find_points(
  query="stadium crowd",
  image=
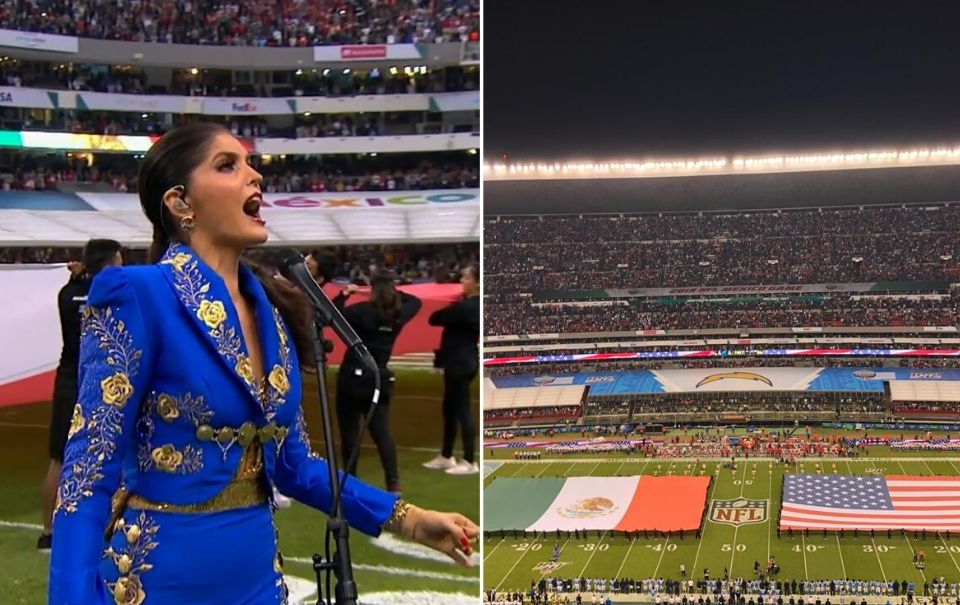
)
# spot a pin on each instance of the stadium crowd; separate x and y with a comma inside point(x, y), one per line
point(295, 127)
point(532, 413)
point(220, 83)
point(356, 264)
point(849, 245)
point(836, 311)
point(250, 22)
point(725, 590)
point(46, 173)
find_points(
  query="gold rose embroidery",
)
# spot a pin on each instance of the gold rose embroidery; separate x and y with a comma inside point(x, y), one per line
point(107, 347)
point(132, 560)
point(128, 591)
point(177, 261)
point(212, 313)
point(76, 422)
point(244, 368)
point(167, 458)
point(116, 389)
point(278, 380)
point(167, 407)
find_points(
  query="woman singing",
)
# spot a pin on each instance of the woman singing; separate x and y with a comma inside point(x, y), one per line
point(378, 323)
point(189, 407)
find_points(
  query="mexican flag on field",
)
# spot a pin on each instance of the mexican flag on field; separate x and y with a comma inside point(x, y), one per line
point(606, 503)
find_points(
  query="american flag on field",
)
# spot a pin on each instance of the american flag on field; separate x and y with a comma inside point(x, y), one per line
point(854, 502)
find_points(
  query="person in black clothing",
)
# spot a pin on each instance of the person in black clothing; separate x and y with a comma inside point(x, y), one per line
point(459, 356)
point(97, 254)
point(378, 323)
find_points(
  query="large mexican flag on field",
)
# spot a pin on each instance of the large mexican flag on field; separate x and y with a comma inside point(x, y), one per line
point(607, 503)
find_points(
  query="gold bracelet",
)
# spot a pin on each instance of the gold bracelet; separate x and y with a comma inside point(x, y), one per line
point(400, 510)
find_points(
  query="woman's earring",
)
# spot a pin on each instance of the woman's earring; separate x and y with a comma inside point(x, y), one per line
point(188, 223)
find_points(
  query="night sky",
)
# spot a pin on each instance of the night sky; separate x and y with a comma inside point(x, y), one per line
point(597, 79)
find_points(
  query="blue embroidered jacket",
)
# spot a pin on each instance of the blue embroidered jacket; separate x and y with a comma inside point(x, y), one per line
point(165, 382)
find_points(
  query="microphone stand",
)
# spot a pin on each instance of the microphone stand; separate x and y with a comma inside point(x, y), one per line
point(338, 562)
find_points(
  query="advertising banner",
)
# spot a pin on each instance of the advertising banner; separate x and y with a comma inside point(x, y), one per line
point(34, 98)
point(134, 103)
point(247, 106)
point(35, 41)
point(366, 52)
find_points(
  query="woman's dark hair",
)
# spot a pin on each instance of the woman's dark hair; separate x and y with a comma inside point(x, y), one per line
point(97, 253)
point(169, 163)
point(385, 298)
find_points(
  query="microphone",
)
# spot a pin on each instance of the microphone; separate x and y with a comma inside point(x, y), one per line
point(291, 265)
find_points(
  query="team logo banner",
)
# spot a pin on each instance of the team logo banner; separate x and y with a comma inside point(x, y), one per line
point(738, 512)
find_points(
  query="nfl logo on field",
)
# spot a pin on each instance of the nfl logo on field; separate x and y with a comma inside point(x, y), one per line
point(738, 512)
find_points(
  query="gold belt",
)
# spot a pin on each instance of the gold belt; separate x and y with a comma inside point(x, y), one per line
point(242, 493)
point(247, 488)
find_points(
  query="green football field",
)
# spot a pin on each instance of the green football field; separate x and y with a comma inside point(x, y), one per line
point(387, 570)
point(510, 564)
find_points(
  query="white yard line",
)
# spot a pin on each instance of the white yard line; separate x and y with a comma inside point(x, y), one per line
point(514, 566)
point(663, 551)
point(946, 547)
point(922, 575)
point(770, 520)
point(843, 565)
point(487, 555)
point(736, 529)
point(545, 467)
point(703, 534)
point(590, 558)
point(625, 557)
point(882, 573)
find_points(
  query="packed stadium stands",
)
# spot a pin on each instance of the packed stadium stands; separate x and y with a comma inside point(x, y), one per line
point(250, 22)
point(412, 263)
point(46, 172)
point(213, 82)
point(809, 246)
point(804, 311)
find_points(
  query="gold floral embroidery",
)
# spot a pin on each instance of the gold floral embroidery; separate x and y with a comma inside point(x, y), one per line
point(244, 369)
point(192, 289)
point(278, 380)
point(128, 591)
point(167, 458)
point(76, 422)
point(131, 561)
point(170, 408)
point(212, 313)
point(167, 407)
point(276, 396)
point(116, 389)
point(96, 436)
point(177, 261)
point(301, 428)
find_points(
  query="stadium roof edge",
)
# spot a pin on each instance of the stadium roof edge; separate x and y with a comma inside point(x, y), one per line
point(728, 192)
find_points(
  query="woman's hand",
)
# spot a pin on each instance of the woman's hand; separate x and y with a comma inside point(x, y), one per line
point(450, 533)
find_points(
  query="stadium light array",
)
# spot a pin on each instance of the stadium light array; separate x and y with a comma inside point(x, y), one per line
point(503, 171)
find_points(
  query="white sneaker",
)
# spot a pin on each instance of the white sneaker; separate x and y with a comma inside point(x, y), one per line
point(464, 468)
point(440, 463)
